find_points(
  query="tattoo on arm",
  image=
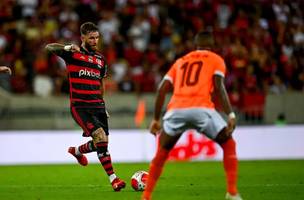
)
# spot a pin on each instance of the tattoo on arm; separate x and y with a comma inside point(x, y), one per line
point(55, 48)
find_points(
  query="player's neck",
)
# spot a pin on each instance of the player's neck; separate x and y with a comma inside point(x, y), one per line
point(87, 49)
point(204, 48)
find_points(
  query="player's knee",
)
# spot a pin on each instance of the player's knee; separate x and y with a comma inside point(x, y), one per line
point(166, 141)
point(99, 135)
point(223, 136)
point(92, 146)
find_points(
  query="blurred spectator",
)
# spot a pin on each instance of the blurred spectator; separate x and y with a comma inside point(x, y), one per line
point(277, 87)
point(139, 33)
point(108, 26)
point(223, 11)
point(119, 69)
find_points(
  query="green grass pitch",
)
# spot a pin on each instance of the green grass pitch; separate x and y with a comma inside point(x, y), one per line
point(281, 180)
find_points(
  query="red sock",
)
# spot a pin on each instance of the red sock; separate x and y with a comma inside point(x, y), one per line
point(87, 147)
point(230, 165)
point(104, 157)
point(155, 171)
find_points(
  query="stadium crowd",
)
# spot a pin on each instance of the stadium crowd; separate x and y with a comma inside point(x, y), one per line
point(262, 41)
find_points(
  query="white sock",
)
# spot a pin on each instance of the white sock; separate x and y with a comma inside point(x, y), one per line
point(112, 177)
point(77, 152)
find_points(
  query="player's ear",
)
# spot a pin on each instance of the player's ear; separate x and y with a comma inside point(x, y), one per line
point(82, 38)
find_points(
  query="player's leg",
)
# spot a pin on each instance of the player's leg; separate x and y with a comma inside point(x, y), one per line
point(87, 147)
point(166, 143)
point(174, 124)
point(78, 152)
point(216, 129)
point(100, 140)
point(230, 162)
point(81, 117)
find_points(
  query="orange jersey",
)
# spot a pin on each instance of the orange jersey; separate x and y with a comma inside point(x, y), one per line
point(192, 79)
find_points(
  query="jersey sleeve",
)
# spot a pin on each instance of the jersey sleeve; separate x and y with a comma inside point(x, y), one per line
point(219, 66)
point(65, 55)
point(104, 70)
point(170, 76)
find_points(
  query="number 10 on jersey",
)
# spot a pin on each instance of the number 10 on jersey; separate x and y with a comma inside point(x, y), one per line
point(191, 73)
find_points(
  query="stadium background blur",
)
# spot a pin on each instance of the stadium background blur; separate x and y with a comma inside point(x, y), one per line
point(262, 42)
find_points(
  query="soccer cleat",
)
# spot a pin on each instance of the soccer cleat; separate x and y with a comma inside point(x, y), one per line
point(118, 184)
point(233, 197)
point(82, 160)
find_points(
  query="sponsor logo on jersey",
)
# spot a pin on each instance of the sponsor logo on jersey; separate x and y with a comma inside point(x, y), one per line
point(89, 73)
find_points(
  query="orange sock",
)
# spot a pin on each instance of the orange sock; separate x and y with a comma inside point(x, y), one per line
point(155, 171)
point(230, 165)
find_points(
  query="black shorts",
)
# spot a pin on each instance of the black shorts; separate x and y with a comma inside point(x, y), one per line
point(90, 119)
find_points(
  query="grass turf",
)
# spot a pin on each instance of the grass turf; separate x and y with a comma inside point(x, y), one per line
point(258, 180)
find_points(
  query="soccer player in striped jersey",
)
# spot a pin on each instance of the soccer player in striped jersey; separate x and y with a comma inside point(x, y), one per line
point(193, 79)
point(86, 69)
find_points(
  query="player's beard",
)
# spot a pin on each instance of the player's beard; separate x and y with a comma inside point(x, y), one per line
point(90, 47)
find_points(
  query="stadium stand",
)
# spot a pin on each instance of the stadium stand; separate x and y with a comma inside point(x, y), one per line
point(262, 42)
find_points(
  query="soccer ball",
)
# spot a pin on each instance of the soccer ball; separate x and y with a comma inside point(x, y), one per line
point(139, 180)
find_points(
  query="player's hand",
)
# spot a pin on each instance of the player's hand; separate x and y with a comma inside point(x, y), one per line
point(75, 48)
point(231, 124)
point(5, 69)
point(155, 126)
point(72, 48)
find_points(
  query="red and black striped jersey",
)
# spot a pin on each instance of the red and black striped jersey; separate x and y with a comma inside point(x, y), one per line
point(85, 71)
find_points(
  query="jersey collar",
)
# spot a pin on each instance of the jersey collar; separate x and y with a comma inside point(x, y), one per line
point(85, 51)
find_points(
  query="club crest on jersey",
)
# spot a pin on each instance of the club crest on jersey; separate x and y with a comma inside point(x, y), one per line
point(99, 62)
point(89, 73)
point(90, 59)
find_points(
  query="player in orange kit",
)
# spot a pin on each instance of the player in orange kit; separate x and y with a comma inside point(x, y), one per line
point(193, 79)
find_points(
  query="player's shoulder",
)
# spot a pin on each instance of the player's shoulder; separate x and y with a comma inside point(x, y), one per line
point(215, 55)
point(98, 54)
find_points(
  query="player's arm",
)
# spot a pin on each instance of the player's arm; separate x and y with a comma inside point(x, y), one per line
point(102, 85)
point(104, 74)
point(220, 91)
point(5, 69)
point(102, 88)
point(164, 87)
point(102, 91)
point(60, 49)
